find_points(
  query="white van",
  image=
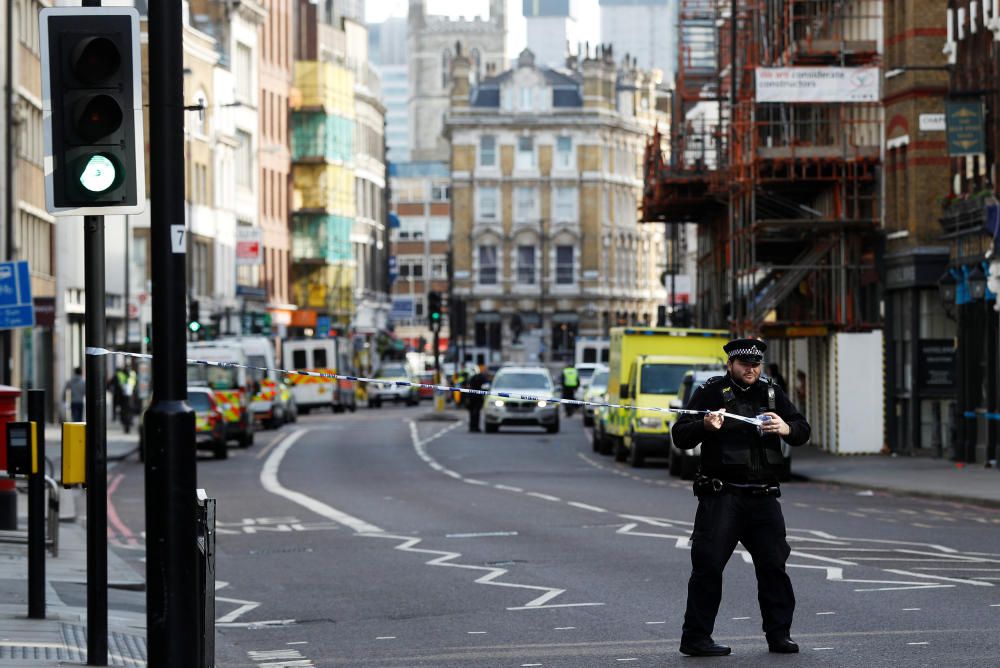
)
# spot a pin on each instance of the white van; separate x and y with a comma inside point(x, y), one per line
point(272, 403)
point(230, 385)
point(331, 356)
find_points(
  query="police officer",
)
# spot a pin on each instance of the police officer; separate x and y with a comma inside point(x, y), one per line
point(737, 490)
point(570, 383)
point(475, 402)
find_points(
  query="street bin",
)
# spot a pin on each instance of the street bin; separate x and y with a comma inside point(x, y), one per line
point(206, 580)
point(8, 494)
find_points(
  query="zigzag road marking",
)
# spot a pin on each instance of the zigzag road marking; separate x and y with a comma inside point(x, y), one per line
point(269, 480)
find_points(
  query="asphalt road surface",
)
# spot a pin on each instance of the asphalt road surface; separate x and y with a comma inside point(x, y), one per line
point(378, 539)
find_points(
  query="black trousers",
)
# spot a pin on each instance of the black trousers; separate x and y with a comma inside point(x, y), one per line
point(721, 522)
point(474, 416)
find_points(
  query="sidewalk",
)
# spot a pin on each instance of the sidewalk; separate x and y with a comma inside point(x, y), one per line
point(919, 476)
point(60, 638)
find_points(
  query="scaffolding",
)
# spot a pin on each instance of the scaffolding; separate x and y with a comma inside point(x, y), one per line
point(786, 194)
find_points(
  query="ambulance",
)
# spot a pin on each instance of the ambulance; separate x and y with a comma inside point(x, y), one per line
point(272, 404)
point(646, 367)
point(329, 356)
point(231, 385)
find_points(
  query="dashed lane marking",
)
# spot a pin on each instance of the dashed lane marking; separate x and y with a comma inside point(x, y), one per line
point(564, 628)
point(385, 637)
point(656, 622)
point(545, 497)
point(736, 619)
point(918, 643)
point(910, 609)
point(826, 613)
point(586, 506)
point(820, 649)
point(476, 633)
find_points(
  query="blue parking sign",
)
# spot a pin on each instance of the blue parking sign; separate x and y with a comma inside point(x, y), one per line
point(16, 307)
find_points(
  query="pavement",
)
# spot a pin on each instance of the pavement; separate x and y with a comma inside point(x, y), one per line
point(60, 638)
point(918, 476)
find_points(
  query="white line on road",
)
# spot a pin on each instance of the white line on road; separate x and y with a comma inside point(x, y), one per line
point(269, 480)
point(820, 649)
point(918, 643)
point(826, 613)
point(508, 488)
point(586, 506)
point(656, 622)
point(736, 619)
point(910, 609)
point(564, 628)
point(545, 497)
point(476, 633)
point(385, 637)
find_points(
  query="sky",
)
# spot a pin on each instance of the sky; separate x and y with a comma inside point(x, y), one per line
point(378, 10)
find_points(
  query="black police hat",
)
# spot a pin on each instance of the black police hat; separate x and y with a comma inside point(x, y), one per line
point(746, 350)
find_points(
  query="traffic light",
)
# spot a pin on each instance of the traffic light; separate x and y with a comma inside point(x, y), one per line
point(92, 110)
point(434, 309)
point(194, 315)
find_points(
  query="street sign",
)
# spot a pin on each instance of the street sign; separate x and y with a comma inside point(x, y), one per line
point(249, 242)
point(965, 128)
point(16, 307)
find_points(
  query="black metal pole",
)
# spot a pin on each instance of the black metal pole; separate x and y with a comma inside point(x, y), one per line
point(8, 212)
point(97, 464)
point(36, 512)
point(128, 318)
point(171, 478)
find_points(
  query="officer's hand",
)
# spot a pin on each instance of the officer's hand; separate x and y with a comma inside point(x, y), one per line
point(776, 425)
point(713, 421)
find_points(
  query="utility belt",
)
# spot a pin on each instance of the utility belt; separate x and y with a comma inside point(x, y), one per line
point(705, 486)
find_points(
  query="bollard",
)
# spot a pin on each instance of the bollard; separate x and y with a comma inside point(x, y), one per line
point(206, 580)
point(36, 512)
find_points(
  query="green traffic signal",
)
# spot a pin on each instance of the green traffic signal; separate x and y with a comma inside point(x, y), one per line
point(98, 173)
point(194, 326)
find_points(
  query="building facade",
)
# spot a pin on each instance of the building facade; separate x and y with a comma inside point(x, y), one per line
point(432, 42)
point(339, 232)
point(274, 155)
point(387, 49)
point(552, 29)
point(546, 184)
point(970, 223)
point(916, 173)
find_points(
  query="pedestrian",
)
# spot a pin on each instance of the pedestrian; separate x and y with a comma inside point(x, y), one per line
point(116, 395)
point(570, 383)
point(737, 489)
point(128, 380)
point(77, 388)
point(475, 402)
point(800, 390)
point(775, 374)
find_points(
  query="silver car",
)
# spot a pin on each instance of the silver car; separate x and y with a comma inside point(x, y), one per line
point(511, 410)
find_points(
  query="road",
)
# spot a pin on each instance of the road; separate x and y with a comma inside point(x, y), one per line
point(378, 539)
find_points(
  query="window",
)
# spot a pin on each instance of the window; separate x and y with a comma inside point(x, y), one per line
point(411, 267)
point(439, 268)
point(445, 68)
point(525, 204)
point(526, 265)
point(244, 159)
point(565, 270)
point(565, 204)
point(244, 72)
point(488, 203)
point(440, 192)
point(487, 151)
point(525, 99)
point(319, 359)
point(411, 228)
point(487, 265)
point(525, 153)
point(564, 152)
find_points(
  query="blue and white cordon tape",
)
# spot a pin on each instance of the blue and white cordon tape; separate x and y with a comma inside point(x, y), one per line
point(440, 388)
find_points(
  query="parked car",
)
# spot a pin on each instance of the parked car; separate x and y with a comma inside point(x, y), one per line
point(532, 381)
point(209, 423)
point(387, 390)
point(595, 390)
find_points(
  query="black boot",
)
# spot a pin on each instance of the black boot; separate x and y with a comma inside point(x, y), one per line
point(782, 645)
point(704, 647)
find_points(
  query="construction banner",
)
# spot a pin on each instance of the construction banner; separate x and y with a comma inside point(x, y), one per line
point(817, 84)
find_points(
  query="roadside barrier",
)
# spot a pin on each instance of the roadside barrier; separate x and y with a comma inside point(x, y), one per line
point(440, 388)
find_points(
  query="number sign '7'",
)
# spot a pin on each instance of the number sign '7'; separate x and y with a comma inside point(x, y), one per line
point(177, 239)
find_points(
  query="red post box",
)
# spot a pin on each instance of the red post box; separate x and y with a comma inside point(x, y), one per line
point(8, 495)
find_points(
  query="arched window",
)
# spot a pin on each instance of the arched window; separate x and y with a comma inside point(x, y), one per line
point(445, 68)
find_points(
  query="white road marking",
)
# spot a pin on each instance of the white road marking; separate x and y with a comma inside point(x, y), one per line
point(554, 605)
point(820, 649)
point(298, 642)
point(484, 534)
point(529, 665)
point(632, 659)
point(995, 605)
point(918, 643)
point(546, 497)
point(508, 488)
point(385, 637)
point(264, 623)
point(269, 480)
point(564, 628)
point(978, 583)
point(910, 609)
point(656, 622)
point(826, 613)
point(585, 506)
point(476, 633)
point(739, 618)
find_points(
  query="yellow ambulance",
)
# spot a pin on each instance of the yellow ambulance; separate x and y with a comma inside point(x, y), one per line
point(646, 367)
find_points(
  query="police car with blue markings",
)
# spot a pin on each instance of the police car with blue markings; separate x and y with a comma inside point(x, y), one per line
point(505, 407)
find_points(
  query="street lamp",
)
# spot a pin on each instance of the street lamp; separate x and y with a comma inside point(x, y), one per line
point(977, 283)
point(946, 287)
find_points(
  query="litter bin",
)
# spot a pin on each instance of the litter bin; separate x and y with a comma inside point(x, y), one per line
point(8, 493)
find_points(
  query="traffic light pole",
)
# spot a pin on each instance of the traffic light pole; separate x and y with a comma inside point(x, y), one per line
point(97, 462)
point(171, 479)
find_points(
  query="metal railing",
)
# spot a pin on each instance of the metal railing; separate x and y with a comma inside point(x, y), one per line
point(17, 536)
point(206, 580)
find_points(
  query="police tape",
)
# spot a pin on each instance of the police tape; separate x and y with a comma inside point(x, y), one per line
point(440, 388)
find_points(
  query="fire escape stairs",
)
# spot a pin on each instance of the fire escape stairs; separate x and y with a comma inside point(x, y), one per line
point(773, 289)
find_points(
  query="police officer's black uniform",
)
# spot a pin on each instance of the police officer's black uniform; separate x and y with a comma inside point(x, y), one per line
point(474, 402)
point(737, 491)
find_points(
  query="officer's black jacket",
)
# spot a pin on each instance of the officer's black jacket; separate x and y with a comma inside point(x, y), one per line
point(738, 452)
